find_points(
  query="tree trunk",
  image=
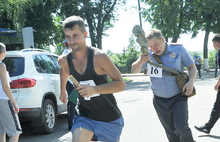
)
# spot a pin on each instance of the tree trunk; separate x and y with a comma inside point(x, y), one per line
point(89, 18)
point(175, 38)
point(99, 28)
point(91, 32)
point(99, 43)
point(96, 25)
point(205, 48)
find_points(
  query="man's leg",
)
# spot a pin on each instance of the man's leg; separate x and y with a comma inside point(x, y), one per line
point(180, 118)
point(218, 63)
point(70, 106)
point(165, 118)
point(3, 138)
point(199, 70)
point(215, 114)
point(82, 135)
point(14, 138)
point(71, 113)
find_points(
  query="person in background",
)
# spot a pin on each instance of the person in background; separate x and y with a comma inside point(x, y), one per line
point(216, 64)
point(69, 89)
point(198, 63)
point(171, 106)
point(67, 47)
point(9, 121)
point(215, 114)
point(97, 112)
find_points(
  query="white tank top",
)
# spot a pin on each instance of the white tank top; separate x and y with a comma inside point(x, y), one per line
point(2, 93)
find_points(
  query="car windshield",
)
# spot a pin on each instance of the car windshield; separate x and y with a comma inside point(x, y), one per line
point(15, 65)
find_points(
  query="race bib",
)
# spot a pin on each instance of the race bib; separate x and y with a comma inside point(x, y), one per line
point(153, 71)
point(91, 83)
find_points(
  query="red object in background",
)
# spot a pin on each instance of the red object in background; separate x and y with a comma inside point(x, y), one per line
point(23, 83)
point(66, 44)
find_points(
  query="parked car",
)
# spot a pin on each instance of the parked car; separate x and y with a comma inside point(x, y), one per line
point(35, 84)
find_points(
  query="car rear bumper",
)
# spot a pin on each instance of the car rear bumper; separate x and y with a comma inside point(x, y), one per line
point(26, 115)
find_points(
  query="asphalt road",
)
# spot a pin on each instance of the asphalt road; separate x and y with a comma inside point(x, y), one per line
point(141, 121)
point(29, 134)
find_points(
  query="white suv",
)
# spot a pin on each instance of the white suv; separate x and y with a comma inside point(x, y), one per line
point(35, 84)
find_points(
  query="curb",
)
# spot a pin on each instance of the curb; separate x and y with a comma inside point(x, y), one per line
point(128, 81)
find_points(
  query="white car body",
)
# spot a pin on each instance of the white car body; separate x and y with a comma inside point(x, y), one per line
point(45, 87)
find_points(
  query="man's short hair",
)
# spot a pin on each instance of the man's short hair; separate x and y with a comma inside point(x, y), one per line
point(2, 47)
point(216, 38)
point(154, 33)
point(73, 22)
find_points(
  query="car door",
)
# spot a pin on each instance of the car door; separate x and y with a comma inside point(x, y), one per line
point(51, 73)
point(48, 65)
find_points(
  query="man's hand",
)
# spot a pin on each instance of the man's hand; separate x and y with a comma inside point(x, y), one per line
point(188, 89)
point(144, 58)
point(85, 90)
point(216, 86)
point(63, 97)
point(16, 108)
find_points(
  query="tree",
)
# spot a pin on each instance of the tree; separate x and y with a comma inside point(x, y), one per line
point(100, 17)
point(46, 16)
point(124, 60)
point(12, 14)
point(41, 19)
point(207, 18)
point(67, 8)
point(172, 17)
point(5, 21)
point(28, 13)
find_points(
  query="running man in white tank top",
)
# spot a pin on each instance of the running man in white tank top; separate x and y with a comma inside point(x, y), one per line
point(9, 122)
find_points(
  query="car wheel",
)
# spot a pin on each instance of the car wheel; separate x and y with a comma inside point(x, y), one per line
point(49, 117)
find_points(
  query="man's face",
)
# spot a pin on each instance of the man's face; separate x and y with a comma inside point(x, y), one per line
point(75, 38)
point(216, 45)
point(157, 45)
point(3, 54)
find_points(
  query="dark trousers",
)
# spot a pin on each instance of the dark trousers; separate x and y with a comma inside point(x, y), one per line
point(215, 114)
point(199, 70)
point(70, 106)
point(216, 68)
point(173, 114)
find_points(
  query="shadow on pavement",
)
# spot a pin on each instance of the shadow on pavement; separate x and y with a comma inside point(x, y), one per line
point(30, 134)
point(211, 136)
point(137, 86)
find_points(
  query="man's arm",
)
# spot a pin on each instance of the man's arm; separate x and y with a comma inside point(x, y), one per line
point(136, 67)
point(6, 88)
point(200, 60)
point(107, 67)
point(192, 76)
point(217, 84)
point(64, 74)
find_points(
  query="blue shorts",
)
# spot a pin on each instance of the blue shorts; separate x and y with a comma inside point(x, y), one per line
point(103, 131)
